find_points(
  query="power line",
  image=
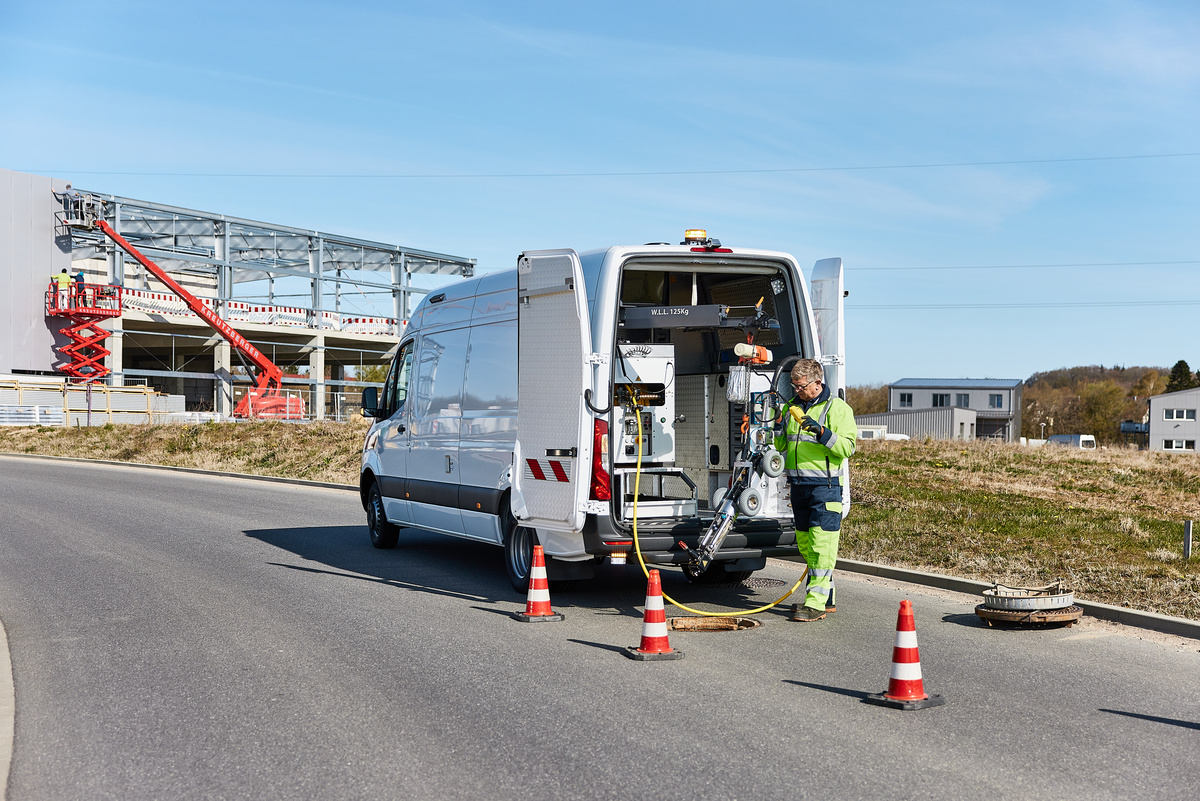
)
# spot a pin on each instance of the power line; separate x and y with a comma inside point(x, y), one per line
point(625, 173)
point(1083, 305)
point(1027, 266)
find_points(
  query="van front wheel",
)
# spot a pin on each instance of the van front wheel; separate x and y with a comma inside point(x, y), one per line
point(383, 534)
point(518, 556)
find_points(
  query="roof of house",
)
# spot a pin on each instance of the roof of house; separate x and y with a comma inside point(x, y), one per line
point(959, 383)
point(1176, 392)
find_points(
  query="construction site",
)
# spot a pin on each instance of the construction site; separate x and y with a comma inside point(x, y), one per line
point(124, 310)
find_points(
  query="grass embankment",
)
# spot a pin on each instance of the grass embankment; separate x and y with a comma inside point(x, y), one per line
point(1109, 523)
point(317, 451)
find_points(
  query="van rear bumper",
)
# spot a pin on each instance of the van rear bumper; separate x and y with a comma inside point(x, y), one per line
point(660, 545)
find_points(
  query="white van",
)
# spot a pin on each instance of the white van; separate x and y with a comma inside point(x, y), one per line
point(1085, 441)
point(510, 413)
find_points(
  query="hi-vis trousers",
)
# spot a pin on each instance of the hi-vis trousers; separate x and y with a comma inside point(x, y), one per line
point(817, 509)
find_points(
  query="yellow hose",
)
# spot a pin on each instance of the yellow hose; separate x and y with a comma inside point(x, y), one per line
point(637, 547)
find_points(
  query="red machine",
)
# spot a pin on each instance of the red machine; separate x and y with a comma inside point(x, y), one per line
point(265, 398)
point(85, 306)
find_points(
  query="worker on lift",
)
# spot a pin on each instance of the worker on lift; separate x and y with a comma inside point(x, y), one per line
point(816, 433)
point(64, 286)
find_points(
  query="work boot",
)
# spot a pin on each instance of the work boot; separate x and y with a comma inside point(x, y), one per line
point(806, 614)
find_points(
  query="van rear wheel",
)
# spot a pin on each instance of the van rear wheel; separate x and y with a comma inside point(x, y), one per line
point(518, 556)
point(383, 534)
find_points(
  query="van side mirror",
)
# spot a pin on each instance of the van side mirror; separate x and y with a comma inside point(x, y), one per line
point(370, 402)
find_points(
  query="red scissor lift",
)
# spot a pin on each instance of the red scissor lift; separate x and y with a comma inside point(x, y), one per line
point(264, 400)
point(84, 305)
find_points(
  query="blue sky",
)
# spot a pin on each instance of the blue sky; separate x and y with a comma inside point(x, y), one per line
point(1012, 186)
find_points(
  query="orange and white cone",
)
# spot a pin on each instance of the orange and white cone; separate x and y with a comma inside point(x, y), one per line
point(537, 602)
point(906, 688)
point(655, 644)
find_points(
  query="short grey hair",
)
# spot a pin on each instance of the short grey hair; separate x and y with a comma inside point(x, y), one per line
point(807, 370)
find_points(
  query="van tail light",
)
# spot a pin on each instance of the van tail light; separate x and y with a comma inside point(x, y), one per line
point(601, 489)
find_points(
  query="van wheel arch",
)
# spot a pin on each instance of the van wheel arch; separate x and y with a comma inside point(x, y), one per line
point(384, 534)
point(518, 544)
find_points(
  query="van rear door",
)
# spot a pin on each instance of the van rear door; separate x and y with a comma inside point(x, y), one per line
point(552, 458)
point(828, 293)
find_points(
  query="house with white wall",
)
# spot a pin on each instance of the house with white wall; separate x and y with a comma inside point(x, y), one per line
point(1173, 424)
point(996, 403)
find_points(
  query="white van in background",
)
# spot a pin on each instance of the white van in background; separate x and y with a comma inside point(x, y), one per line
point(511, 412)
point(1085, 441)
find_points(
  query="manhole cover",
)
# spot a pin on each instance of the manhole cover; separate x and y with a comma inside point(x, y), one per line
point(712, 623)
point(750, 583)
point(1065, 616)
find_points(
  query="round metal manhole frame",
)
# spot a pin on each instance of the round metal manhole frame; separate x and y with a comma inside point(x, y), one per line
point(729, 623)
point(1027, 599)
point(1066, 616)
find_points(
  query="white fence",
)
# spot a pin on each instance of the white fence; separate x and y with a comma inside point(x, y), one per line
point(240, 312)
point(31, 403)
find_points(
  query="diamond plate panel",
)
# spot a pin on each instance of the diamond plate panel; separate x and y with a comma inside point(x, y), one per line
point(689, 433)
point(550, 381)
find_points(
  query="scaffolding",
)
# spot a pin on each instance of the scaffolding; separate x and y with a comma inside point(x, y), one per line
point(315, 302)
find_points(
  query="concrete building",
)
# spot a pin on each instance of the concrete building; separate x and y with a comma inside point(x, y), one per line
point(290, 292)
point(1174, 427)
point(949, 423)
point(996, 402)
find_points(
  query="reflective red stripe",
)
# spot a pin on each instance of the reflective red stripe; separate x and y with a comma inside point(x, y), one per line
point(559, 473)
point(536, 469)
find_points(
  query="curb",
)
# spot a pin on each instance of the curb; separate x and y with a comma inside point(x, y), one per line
point(8, 710)
point(273, 479)
point(1118, 614)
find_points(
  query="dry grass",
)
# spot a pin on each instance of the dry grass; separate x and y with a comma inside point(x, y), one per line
point(1108, 522)
point(317, 451)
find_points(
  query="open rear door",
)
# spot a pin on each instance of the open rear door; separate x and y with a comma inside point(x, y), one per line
point(828, 291)
point(828, 299)
point(552, 460)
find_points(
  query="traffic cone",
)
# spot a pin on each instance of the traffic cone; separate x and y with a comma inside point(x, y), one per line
point(654, 645)
point(906, 690)
point(537, 603)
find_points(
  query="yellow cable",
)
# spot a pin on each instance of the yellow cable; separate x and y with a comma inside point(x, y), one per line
point(637, 485)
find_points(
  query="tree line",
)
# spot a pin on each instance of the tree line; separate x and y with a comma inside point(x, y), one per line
point(1072, 400)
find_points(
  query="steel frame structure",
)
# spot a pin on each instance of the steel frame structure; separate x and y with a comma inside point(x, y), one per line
point(214, 253)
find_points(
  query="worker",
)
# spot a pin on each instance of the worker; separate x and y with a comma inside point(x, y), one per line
point(64, 285)
point(816, 433)
point(70, 198)
point(81, 298)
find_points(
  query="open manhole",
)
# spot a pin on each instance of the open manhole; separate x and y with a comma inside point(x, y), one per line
point(712, 623)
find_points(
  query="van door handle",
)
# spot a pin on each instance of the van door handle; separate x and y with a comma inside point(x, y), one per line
point(449, 464)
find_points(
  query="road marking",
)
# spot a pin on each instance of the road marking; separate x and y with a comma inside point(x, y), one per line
point(8, 709)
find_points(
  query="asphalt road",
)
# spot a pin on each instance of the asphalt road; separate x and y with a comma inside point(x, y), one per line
point(182, 636)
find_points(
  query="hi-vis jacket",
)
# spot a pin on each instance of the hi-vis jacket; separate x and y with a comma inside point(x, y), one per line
point(809, 460)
